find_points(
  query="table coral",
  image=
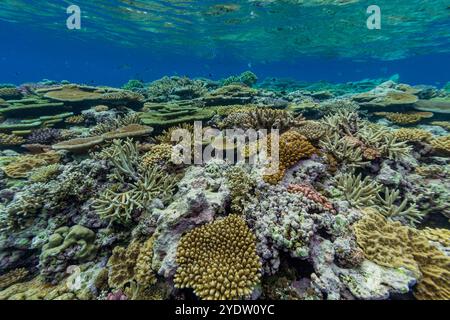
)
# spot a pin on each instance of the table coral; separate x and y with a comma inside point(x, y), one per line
point(131, 130)
point(405, 118)
point(78, 145)
point(219, 260)
point(412, 135)
point(24, 165)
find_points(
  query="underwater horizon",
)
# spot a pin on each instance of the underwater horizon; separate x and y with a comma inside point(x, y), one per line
point(252, 150)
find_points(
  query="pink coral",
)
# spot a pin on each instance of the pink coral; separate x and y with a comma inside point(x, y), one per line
point(312, 194)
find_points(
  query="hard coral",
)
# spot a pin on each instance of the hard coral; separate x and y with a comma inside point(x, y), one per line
point(292, 148)
point(79, 145)
point(10, 140)
point(219, 260)
point(412, 135)
point(392, 245)
point(405, 118)
point(23, 165)
point(312, 194)
point(441, 145)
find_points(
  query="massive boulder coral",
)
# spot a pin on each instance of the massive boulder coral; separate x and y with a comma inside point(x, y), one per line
point(66, 245)
point(218, 260)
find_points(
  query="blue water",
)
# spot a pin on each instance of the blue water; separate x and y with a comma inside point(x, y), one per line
point(32, 49)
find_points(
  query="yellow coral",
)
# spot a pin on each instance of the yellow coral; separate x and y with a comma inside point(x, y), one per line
point(23, 165)
point(75, 119)
point(412, 135)
point(312, 130)
point(441, 145)
point(392, 245)
point(10, 140)
point(37, 289)
point(443, 124)
point(219, 260)
point(131, 264)
point(158, 154)
point(405, 118)
point(293, 147)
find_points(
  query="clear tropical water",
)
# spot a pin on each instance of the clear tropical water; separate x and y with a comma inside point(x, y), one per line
point(350, 201)
point(307, 40)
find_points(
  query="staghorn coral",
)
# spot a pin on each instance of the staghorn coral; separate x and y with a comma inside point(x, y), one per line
point(218, 260)
point(412, 135)
point(344, 151)
point(392, 245)
point(120, 205)
point(357, 191)
point(292, 148)
point(166, 136)
point(114, 124)
point(402, 212)
point(343, 122)
point(10, 140)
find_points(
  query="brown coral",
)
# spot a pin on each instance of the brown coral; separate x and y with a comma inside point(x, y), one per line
point(78, 145)
point(23, 165)
point(131, 130)
point(412, 135)
point(10, 140)
point(219, 260)
point(75, 119)
point(13, 277)
point(392, 245)
point(312, 194)
point(405, 118)
point(293, 148)
point(442, 145)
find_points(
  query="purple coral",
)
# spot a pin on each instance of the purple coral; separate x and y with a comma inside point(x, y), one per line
point(44, 136)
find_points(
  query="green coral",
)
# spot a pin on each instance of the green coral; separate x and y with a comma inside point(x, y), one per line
point(357, 191)
point(241, 185)
point(133, 85)
point(248, 78)
point(389, 209)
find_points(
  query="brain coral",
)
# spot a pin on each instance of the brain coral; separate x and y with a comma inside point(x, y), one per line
point(219, 260)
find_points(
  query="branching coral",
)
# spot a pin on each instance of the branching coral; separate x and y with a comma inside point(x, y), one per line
point(44, 174)
point(403, 212)
point(405, 118)
point(343, 122)
point(114, 124)
point(11, 140)
point(78, 119)
point(44, 136)
point(176, 88)
point(159, 154)
point(119, 205)
point(219, 260)
point(12, 277)
point(292, 148)
point(357, 191)
point(241, 185)
point(441, 145)
point(312, 130)
point(312, 194)
point(412, 135)
point(344, 151)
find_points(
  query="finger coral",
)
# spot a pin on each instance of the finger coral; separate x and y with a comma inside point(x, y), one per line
point(218, 260)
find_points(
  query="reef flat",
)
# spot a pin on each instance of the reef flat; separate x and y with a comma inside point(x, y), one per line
point(93, 205)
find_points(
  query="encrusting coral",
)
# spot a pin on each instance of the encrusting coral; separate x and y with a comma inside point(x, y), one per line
point(219, 260)
point(392, 245)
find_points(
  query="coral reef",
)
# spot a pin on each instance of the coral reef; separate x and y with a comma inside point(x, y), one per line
point(218, 260)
